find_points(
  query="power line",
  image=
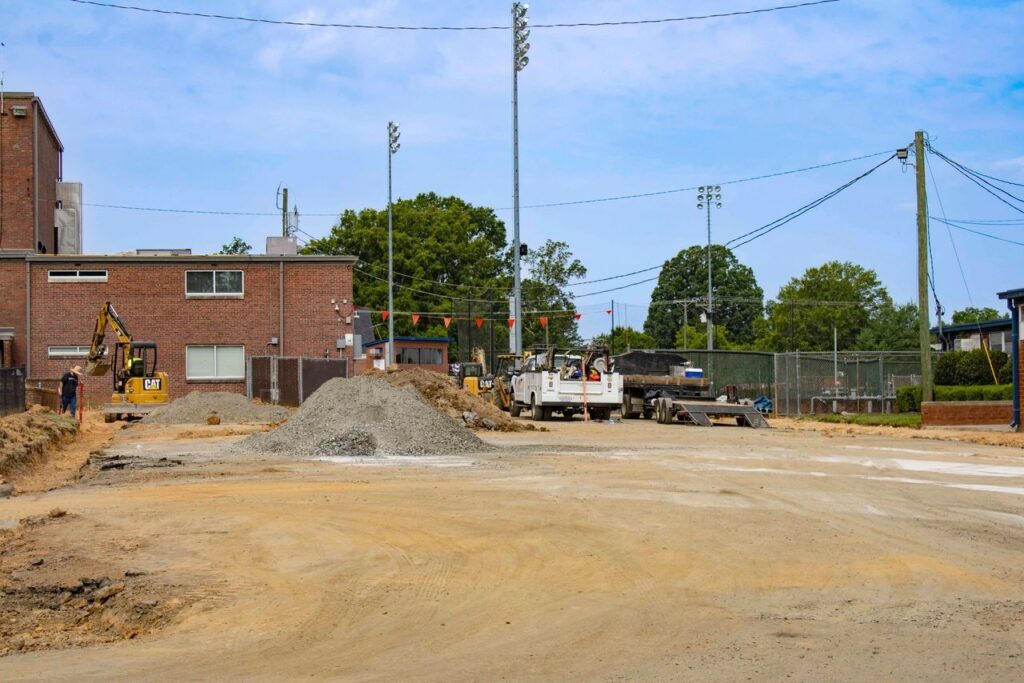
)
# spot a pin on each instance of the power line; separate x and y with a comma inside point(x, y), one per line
point(980, 182)
point(384, 27)
point(757, 233)
point(997, 223)
point(615, 289)
point(978, 232)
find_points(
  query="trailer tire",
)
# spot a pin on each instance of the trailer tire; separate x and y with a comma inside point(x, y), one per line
point(626, 411)
point(664, 411)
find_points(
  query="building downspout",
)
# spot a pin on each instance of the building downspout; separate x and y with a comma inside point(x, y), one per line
point(28, 319)
point(1015, 327)
point(35, 174)
point(280, 308)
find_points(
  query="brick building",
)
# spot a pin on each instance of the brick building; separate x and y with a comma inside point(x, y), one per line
point(207, 314)
point(30, 175)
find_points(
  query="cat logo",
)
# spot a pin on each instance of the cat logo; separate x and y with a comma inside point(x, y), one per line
point(151, 384)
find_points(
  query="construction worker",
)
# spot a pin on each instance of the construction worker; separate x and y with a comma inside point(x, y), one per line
point(69, 389)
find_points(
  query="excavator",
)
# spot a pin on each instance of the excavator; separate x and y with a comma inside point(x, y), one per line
point(138, 387)
point(473, 375)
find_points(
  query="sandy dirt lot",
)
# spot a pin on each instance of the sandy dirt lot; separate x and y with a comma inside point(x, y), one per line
point(630, 551)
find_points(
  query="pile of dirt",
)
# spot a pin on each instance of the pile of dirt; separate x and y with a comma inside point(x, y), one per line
point(26, 437)
point(450, 399)
point(364, 416)
point(198, 406)
point(53, 594)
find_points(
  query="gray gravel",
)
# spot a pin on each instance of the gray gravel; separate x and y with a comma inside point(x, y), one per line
point(195, 407)
point(363, 416)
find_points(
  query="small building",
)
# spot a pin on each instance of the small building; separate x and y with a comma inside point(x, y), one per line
point(429, 353)
point(1014, 299)
point(995, 334)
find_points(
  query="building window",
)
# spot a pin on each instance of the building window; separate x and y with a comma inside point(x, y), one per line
point(214, 283)
point(57, 352)
point(77, 276)
point(215, 362)
point(414, 356)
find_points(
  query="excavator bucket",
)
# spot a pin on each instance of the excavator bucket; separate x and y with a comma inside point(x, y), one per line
point(97, 368)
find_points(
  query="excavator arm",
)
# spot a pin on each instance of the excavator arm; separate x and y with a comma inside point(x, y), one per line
point(99, 361)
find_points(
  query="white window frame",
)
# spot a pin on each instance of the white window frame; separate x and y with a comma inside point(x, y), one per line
point(215, 294)
point(60, 351)
point(75, 275)
point(215, 377)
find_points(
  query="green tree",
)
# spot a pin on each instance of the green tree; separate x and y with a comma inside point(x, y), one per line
point(695, 337)
point(625, 339)
point(973, 314)
point(550, 269)
point(452, 259)
point(838, 295)
point(236, 246)
point(891, 328)
point(685, 276)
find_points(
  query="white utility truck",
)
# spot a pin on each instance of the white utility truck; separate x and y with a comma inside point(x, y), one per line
point(565, 382)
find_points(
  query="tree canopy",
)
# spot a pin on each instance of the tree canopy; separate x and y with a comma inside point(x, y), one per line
point(840, 295)
point(625, 339)
point(695, 337)
point(236, 246)
point(891, 328)
point(550, 268)
point(973, 314)
point(685, 276)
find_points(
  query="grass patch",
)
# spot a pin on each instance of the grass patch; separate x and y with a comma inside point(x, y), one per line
point(907, 420)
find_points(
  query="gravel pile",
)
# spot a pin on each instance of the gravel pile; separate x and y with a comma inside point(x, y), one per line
point(196, 407)
point(362, 416)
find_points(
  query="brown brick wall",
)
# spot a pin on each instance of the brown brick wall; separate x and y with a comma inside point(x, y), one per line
point(952, 413)
point(150, 298)
point(16, 212)
point(48, 172)
point(12, 307)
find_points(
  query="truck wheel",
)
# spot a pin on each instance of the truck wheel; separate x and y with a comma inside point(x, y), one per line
point(538, 413)
point(109, 417)
point(626, 410)
point(514, 408)
point(664, 408)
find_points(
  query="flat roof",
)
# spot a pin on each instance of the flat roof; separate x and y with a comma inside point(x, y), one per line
point(1012, 294)
point(998, 324)
point(437, 340)
point(182, 258)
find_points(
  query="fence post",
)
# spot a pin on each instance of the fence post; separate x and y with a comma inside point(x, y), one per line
point(248, 378)
point(775, 383)
point(799, 410)
point(302, 396)
point(881, 380)
point(273, 380)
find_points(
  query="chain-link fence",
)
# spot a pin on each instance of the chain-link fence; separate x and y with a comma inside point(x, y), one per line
point(751, 372)
point(851, 381)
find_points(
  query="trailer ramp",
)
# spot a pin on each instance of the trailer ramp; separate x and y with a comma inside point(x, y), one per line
point(702, 412)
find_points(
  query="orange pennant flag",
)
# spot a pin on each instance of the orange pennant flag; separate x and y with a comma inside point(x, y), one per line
point(578, 316)
point(479, 323)
point(447, 322)
point(415, 318)
point(543, 321)
point(384, 315)
point(609, 311)
point(511, 323)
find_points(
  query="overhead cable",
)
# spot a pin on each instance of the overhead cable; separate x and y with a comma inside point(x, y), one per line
point(497, 27)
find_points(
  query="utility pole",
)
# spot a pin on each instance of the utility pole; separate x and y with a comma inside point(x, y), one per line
point(393, 146)
point(922, 270)
point(611, 337)
point(284, 212)
point(706, 194)
point(686, 324)
point(519, 61)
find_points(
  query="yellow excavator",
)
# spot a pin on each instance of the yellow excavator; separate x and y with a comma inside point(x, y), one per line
point(473, 375)
point(138, 387)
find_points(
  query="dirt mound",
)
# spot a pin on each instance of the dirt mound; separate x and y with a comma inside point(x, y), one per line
point(196, 408)
point(365, 415)
point(25, 437)
point(450, 399)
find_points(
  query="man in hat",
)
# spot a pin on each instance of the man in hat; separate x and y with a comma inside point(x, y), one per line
point(69, 389)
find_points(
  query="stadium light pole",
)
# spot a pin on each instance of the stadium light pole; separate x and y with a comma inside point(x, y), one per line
point(393, 146)
point(519, 61)
point(706, 196)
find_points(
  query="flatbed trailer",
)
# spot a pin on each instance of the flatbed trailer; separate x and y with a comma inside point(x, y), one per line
point(703, 412)
point(640, 392)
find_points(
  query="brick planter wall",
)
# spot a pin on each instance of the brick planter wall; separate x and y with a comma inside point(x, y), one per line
point(953, 413)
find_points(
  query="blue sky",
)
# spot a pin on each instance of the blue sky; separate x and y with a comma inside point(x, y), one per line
point(163, 111)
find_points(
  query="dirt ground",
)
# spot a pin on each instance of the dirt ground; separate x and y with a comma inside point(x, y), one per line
point(627, 551)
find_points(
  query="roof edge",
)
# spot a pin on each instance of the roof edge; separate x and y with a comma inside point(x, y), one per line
point(186, 258)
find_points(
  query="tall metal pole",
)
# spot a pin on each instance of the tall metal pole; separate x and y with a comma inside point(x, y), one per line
point(284, 212)
point(706, 195)
point(611, 337)
point(922, 270)
point(392, 148)
point(519, 61)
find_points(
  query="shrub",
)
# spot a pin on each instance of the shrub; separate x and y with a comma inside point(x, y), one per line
point(908, 399)
point(969, 368)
